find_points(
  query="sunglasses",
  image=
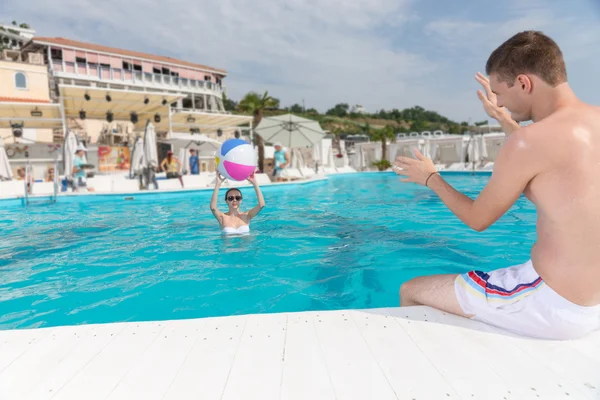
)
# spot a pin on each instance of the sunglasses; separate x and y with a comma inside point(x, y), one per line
point(230, 198)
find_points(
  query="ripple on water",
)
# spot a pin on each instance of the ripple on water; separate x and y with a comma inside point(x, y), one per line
point(349, 242)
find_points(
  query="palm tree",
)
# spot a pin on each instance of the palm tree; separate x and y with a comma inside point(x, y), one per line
point(337, 131)
point(254, 104)
point(383, 134)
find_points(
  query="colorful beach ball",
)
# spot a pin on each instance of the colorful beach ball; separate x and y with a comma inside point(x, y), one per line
point(236, 159)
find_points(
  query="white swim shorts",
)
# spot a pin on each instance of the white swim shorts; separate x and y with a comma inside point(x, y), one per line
point(518, 300)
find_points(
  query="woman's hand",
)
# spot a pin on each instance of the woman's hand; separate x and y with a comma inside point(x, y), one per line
point(252, 179)
point(219, 179)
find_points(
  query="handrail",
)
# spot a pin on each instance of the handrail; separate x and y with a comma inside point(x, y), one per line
point(55, 180)
point(26, 181)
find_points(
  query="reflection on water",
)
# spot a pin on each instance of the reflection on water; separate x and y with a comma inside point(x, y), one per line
point(346, 243)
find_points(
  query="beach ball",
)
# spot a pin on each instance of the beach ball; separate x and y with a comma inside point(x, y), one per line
point(236, 159)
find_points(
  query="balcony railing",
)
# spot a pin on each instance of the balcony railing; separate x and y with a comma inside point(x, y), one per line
point(117, 75)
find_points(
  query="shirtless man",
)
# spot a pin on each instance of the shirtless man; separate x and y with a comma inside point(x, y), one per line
point(555, 162)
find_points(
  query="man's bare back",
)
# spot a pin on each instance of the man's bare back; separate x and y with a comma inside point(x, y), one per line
point(555, 162)
point(566, 193)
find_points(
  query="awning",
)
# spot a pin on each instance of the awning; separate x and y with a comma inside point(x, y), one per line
point(32, 115)
point(186, 139)
point(122, 103)
point(207, 122)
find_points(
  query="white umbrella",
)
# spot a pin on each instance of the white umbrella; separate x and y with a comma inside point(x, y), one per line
point(137, 158)
point(150, 152)
point(316, 153)
point(5, 170)
point(300, 157)
point(290, 131)
point(184, 161)
point(331, 160)
point(69, 153)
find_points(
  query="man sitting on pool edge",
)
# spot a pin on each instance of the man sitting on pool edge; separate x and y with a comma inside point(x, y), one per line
point(554, 162)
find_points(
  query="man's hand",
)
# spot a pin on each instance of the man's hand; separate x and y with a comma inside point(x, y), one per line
point(488, 99)
point(416, 170)
point(490, 105)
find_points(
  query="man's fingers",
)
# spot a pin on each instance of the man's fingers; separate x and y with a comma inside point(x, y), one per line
point(418, 154)
point(405, 160)
point(481, 76)
point(402, 165)
point(399, 170)
point(482, 97)
point(486, 85)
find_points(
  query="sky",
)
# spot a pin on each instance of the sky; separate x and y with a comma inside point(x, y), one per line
point(382, 54)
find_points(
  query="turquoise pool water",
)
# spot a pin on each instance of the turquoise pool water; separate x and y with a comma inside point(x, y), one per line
point(348, 242)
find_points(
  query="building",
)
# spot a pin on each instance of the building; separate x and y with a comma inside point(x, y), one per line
point(358, 109)
point(24, 91)
point(106, 95)
point(13, 37)
point(184, 95)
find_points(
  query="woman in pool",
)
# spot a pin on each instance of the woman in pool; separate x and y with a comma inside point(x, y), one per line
point(234, 221)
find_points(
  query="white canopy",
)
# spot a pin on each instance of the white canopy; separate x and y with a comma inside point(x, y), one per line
point(150, 152)
point(5, 171)
point(137, 158)
point(69, 153)
point(290, 131)
point(186, 139)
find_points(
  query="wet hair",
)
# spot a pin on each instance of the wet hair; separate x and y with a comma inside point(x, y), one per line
point(231, 190)
point(528, 52)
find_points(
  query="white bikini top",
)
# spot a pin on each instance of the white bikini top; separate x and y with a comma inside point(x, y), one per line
point(229, 230)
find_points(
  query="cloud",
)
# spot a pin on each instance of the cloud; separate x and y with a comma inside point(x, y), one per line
point(324, 51)
point(378, 53)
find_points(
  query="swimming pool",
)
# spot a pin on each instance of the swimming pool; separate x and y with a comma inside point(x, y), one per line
point(348, 242)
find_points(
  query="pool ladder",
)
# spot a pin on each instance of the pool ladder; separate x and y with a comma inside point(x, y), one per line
point(55, 186)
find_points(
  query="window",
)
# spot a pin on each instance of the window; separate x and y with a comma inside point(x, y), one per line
point(56, 54)
point(20, 81)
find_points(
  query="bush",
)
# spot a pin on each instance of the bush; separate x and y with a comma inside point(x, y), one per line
point(382, 165)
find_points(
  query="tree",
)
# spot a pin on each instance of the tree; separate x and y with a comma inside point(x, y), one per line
point(418, 126)
point(296, 109)
point(254, 104)
point(339, 110)
point(275, 105)
point(337, 132)
point(384, 134)
point(229, 104)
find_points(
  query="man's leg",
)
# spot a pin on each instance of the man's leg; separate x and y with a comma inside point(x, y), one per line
point(435, 291)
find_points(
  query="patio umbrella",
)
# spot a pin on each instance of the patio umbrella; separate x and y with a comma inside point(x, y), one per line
point(69, 153)
point(137, 158)
point(184, 159)
point(290, 131)
point(316, 154)
point(150, 152)
point(5, 171)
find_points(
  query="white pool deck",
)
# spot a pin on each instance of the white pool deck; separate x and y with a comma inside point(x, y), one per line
point(393, 353)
